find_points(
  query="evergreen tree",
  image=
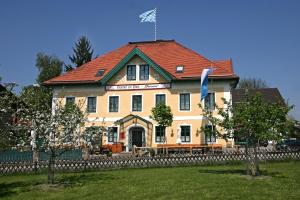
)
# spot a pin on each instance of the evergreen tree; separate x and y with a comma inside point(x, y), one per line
point(83, 53)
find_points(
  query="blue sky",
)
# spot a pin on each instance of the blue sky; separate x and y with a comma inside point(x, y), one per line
point(261, 37)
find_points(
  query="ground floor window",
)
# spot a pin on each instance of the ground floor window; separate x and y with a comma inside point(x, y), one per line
point(112, 134)
point(210, 135)
point(185, 133)
point(160, 134)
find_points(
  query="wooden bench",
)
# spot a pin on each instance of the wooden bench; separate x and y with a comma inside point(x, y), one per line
point(190, 147)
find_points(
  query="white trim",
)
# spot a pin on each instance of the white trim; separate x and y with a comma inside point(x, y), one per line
point(203, 101)
point(159, 93)
point(136, 73)
point(70, 97)
point(113, 95)
point(179, 101)
point(148, 72)
point(154, 135)
point(87, 104)
point(118, 130)
point(175, 118)
point(136, 94)
point(191, 133)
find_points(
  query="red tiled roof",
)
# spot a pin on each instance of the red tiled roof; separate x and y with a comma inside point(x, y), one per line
point(166, 53)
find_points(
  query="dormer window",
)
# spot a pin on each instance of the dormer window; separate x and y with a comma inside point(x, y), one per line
point(179, 69)
point(131, 72)
point(100, 73)
point(144, 72)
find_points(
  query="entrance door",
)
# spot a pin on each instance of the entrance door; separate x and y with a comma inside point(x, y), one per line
point(137, 136)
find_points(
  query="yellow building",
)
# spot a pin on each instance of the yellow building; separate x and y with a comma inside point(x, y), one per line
point(119, 89)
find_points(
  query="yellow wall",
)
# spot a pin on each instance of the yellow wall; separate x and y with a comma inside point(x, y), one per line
point(104, 118)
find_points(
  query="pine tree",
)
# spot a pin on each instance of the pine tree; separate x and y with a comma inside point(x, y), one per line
point(83, 52)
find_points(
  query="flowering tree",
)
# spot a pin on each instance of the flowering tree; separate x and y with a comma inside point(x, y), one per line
point(253, 120)
point(10, 133)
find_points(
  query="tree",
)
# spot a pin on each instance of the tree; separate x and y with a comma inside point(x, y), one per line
point(10, 134)
point(48, 66)
point(162, 114)
point(253, 120)
point(252, 83)
point(83, 53)
point(53, 130)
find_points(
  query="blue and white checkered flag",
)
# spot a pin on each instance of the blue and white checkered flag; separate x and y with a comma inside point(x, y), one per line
point(148, 16)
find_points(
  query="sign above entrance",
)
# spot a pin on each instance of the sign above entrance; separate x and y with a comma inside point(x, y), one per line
point(139, 86)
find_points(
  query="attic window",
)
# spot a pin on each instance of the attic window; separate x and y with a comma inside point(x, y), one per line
point(100, 73)
point(179, 69)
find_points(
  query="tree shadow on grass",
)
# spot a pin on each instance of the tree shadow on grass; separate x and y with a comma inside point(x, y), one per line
point(240, 172)
point(70, 180)
point(61, 181)
point(9, 189)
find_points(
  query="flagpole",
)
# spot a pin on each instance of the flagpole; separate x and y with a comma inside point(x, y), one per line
point(155, 24)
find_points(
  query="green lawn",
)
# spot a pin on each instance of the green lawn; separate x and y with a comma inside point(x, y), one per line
point(279, 181)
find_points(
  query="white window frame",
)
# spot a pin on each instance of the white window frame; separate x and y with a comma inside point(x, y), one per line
point(87, 99)
point(148, 71)
point(107, 135)
point(131, 100)
point(136, 72)
point(191, 133)
point(190, 94)
point(113, 95)
point(70, 97)
point(154, 133)
point(203, 101)
point(160, 93)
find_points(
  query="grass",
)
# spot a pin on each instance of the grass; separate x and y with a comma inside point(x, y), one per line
point(278, 181)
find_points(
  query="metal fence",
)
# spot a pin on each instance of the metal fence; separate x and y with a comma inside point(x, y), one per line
point(143, 162)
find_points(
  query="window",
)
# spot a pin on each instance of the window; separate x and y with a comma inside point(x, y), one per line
point(179, 69)
point(160, 134)
point(131, 72)
point(185, 101)
point(160, 98)
point(185, 133)
point(209, 102)
point(144, 72)
point(114, 104)
point(112, 134)
point(210, 135)
point(70, 100)
point(91, 104)
point(137, 103)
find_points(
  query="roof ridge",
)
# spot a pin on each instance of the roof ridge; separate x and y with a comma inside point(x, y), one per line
point(151, 41)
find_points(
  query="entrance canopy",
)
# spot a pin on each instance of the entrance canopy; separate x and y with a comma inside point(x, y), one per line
point(130, 121)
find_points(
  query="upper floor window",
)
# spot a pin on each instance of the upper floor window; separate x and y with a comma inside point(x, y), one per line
point(137, 103)
point(114, 104)
point(185, 133)
point(131, 72)
point(91, 104)
point(185, 101)
point(210, 136)
point(144, 72)
point(160, 98)
point(160, 133)
point(112, 134)
point(70, 100)
point(209, 102)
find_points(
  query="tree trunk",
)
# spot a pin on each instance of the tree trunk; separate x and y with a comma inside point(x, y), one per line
point(256, 160)
point(51, 167)
point(252, 161)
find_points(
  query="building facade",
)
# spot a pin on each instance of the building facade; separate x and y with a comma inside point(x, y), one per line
point(119, 89)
